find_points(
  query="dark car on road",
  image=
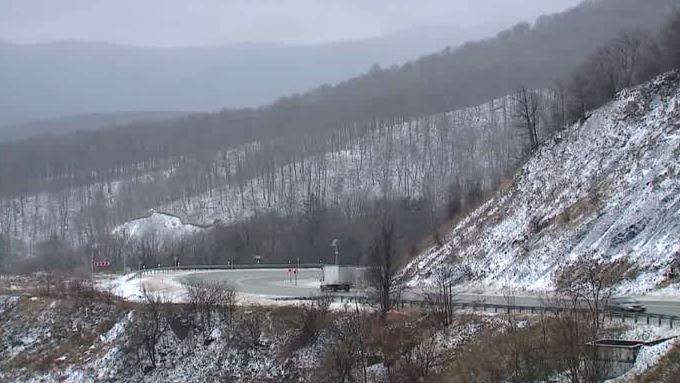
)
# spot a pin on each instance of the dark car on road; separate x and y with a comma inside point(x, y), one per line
point(626, 304)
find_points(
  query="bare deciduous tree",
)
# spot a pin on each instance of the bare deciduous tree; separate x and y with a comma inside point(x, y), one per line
point(148, 329)
point(206, 297)
point(249, 328)
point(442, 299)
point(670, 42)
point(346, 350)
point(383, 274)
point(312, 319)
point(4, 255)
point(526, 113)
point(589, 283)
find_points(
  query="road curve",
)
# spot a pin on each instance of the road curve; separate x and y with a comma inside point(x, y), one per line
point(266, 282)
point(278, 283)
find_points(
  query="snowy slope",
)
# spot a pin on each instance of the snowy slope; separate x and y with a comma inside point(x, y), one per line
point(401, 159)
point(409, 159)
point(162, 227)
point(609, 185)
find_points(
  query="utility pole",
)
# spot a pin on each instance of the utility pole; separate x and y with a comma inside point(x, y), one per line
point(297, 270)
point(125, 250)
point(92, 268)
point(335, 244)
point(94, 249)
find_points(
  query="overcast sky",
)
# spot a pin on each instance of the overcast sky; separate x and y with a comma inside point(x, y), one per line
point(209, 22)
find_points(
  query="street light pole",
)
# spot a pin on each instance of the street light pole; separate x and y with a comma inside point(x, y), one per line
point(93, 250)
point(336, 244)
point(125, 250)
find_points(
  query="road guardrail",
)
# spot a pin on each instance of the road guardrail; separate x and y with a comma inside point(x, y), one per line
point(614, 316)
point(264, 266)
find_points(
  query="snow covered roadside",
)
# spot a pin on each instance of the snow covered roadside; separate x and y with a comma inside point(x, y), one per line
point(128, 287)
point(131, 286)
point(171, 288)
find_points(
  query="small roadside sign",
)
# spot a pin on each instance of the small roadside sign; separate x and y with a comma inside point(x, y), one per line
point(102, 263)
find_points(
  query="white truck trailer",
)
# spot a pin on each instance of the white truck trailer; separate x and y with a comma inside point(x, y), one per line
point(340, 278)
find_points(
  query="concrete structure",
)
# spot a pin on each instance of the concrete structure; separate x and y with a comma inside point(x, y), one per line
point(615, 357)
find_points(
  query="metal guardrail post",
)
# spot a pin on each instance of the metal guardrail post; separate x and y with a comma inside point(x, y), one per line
point(659, 320)
point(647, 319)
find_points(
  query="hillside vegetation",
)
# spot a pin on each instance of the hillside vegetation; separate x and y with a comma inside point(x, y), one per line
point(532, 56)
point(606, 188)
point(283, 181)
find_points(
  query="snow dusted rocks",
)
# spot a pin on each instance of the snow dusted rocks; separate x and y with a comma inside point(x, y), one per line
point(610, 185)
point(160, 227)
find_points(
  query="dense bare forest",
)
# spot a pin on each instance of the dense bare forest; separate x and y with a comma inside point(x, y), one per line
point(280, 181)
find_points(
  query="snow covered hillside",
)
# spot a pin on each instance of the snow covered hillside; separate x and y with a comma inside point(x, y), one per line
point(412, 159)
point(49, 339)
point(398, 159)
point(609, 186)
point(159, 226)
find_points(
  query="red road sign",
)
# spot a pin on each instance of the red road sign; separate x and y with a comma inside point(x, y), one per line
point(102, 263)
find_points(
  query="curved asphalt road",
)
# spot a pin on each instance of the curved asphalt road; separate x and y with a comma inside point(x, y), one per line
point(278, 283)
point(269, 282)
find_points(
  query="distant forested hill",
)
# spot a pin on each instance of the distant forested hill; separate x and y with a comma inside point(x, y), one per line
point(526, 55)
point(83, 122)
point(46, 81)
point(424, 141)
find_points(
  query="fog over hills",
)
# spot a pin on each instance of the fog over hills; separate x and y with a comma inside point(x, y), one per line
point(83, 122)
point(429, 138)
point(291, 191)
point(52, 80)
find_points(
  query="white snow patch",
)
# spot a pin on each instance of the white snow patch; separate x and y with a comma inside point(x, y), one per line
point(611, 185)
point(164, 228)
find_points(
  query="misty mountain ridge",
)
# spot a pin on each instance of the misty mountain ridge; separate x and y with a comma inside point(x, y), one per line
point(319, 164)
point(495, 209)
point(87, 122)
point(66, 78)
